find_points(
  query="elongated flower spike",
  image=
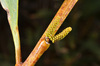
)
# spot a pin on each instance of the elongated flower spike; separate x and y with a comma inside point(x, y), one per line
point(61, 35)
point(51, 29)
point(58, 36)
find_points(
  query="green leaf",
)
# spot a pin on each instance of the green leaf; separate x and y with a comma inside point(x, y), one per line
point(11, 6)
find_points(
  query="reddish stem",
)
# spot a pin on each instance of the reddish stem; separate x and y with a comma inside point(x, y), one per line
point(42, 46)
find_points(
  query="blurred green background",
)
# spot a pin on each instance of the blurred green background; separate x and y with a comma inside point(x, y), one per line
point(80, 48)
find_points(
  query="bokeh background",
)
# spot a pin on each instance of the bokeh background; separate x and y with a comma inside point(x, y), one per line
point(80, 48)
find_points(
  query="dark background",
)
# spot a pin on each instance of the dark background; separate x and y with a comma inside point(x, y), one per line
point(80, 48)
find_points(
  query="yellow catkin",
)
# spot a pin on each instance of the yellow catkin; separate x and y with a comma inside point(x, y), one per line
point(52, 27)
point(61, 35)
point(51, 31)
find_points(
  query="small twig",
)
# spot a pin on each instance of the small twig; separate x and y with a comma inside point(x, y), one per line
point(43, 44)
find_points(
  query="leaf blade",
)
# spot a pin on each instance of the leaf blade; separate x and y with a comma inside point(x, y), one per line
point(11, 7)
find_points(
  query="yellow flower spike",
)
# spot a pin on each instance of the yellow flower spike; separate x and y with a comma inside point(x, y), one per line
point(51, 29)
point(61, 35)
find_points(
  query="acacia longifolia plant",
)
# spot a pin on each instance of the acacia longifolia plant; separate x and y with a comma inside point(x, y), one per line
point(11, 7)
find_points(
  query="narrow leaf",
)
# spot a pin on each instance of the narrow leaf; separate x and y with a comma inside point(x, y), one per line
point(11, 7)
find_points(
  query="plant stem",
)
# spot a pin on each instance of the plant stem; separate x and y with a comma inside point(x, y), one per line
point(42, 46)
point(39, 49)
